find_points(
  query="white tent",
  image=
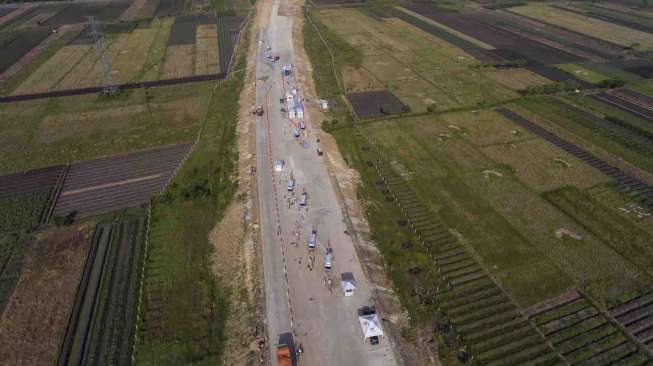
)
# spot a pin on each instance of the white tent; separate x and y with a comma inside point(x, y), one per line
point(347, 283)
point(371, 326)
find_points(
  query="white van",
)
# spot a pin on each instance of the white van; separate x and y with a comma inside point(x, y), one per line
point(291, 185)
point(303, 199)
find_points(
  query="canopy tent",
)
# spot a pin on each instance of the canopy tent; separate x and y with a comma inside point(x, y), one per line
point(347, 283)
point(371, 325)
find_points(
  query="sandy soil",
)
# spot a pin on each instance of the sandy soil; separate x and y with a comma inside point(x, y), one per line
point(347, 181)
point(34, 322)
point(237, 255)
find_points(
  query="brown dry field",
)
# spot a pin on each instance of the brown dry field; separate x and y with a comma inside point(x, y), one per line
point(517, 79)
point(206, 50)
point(359, 79)
point(178, 61)
point(34, 322)
point(49, 74)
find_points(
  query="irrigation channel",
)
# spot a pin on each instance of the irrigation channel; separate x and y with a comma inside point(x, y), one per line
point(101, 326)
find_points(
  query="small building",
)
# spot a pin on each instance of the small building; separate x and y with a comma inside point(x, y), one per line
point(347, 283)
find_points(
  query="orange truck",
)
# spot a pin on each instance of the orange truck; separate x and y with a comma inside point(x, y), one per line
point(283, 355)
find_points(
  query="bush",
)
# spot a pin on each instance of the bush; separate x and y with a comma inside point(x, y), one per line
point(565, 86)
point(611, 83)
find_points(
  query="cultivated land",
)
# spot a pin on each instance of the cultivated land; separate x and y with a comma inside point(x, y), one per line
point(76, 294)
point(495, 199)
point(502, 154)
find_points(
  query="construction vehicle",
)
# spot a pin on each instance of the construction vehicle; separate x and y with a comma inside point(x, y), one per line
point(284, 357)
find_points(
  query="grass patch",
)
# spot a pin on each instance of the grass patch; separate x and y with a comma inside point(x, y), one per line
point(22, 212)
point(187, 324)
point(62, 130)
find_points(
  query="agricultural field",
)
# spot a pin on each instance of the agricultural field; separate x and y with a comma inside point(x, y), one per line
point(12, 251)
point(102, 185)
point(67, 129)
point(49, 47)
point(523, 201)
point(34, 321)
point(608, 31)
point(26, 196)
point(401, 58)
point(102, 322)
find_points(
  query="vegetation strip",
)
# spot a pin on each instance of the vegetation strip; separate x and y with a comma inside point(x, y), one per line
point(128, 86)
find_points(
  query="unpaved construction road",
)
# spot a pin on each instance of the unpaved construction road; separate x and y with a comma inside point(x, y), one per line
point(298, 298)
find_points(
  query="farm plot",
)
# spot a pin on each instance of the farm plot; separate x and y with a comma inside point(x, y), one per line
point(591, 47)
point(46, 77)
point(78, 12)
point(12, 251)
point(228, 34)
point(624, 103)
point(474, 25)
point(598, 28)
point(584, 336)
point(375, 104)
point(631, 185)
point(630, 21)
point(472, 304)
point(102, 323)
point(62, 130)
point(34, 321)
point(169, 8)
point(178, 61)
point(206, 50)
point(636, 315)
point(24, 197)
point(17, 47)
point(618, 232)
point(112, 183)
point(517, 79)
point(403, 61)
point(435, 155)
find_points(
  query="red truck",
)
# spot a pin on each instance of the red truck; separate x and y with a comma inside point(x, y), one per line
point(284, 357)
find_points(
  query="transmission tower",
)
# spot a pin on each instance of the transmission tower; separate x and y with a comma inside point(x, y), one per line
point(108, 86)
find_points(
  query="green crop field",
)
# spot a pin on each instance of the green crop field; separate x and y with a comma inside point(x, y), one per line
point(61, 130)
point(182, 301)
point(537, 219)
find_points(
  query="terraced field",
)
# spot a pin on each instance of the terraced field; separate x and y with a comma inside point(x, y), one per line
point(485, 318)
point(585, 336)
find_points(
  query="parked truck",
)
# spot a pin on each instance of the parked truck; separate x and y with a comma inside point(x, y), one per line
point(284, 358)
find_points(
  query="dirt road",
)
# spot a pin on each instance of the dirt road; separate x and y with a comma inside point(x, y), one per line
point(302, 298)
